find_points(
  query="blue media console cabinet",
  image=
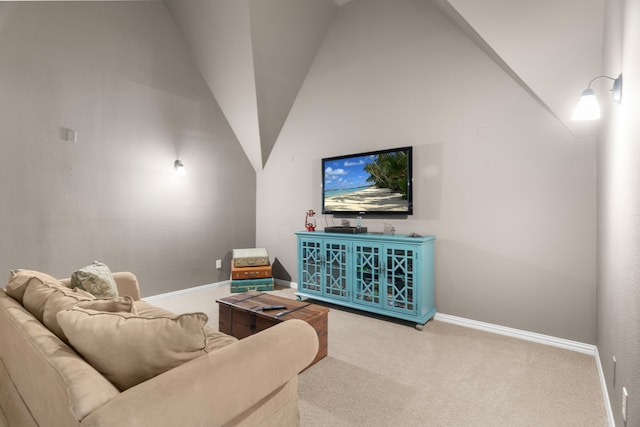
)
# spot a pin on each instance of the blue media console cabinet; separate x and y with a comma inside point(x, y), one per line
point(385, 274)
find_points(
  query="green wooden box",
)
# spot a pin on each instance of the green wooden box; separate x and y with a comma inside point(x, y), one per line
point(245, 285)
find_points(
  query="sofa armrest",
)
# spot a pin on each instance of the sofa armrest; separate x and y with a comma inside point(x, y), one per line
point(216, 388)
point(127, 284)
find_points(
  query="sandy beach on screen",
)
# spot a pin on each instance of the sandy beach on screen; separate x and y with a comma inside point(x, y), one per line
point(367, 199)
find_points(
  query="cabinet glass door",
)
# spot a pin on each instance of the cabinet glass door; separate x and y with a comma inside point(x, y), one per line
point(335, 273)
point(311, 274)
point(367, 275)
point(399, 279)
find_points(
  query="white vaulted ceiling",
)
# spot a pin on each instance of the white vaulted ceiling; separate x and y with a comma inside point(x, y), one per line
point(255, 54)
point(553, 46)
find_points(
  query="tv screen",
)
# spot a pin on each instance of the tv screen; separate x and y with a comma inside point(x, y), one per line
point(376, 182)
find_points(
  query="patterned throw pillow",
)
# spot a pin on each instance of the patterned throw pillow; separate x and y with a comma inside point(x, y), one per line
point(95, 279)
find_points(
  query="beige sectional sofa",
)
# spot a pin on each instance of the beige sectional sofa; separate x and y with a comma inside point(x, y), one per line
point(148, 367)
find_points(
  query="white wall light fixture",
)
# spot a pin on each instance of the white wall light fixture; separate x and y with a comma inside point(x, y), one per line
point(180, 170)
point(588, 107)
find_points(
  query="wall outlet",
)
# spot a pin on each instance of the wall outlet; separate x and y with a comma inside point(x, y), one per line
point(218, 264)
point(625, 396)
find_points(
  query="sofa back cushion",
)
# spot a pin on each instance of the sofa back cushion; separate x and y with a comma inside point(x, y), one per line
point(129, 349)
point(112, 305)
point(57, 298)
point(43, 296)
point(55, 383)
point(215, 338)
point(62, 299)
point(19, 281)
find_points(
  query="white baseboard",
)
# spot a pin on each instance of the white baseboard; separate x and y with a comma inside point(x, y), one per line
point(187, 291)
point(518, 333)
point(286, 283)
point(502, 330)
point(605, 392)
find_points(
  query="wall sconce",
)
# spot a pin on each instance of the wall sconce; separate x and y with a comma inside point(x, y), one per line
point(588, 107)
point(180, 170)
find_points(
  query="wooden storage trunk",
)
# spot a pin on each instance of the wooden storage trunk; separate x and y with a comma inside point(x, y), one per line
point(242, 315)
point(259, 272)
point(246, 285)
point(250, 257)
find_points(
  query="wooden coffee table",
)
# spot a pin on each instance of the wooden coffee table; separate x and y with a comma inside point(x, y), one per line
point(241, 315)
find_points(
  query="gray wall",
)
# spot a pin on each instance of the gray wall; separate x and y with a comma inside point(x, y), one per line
point(619, 214)
point(507, 189)
point(120, 74)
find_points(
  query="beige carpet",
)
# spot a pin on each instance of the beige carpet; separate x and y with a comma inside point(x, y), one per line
point(386, 373)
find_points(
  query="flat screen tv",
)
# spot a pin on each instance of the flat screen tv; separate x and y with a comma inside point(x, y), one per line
point(371, 183)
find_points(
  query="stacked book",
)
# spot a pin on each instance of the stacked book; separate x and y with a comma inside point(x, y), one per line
point(251, 270)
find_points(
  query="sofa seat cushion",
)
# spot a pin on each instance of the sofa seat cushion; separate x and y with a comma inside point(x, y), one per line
point(96, 279)
point(215, 339)
point(129, 349)
point(149, 310)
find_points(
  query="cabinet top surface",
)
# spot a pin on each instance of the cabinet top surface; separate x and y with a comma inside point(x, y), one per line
point(368, 236)
point(253, 302)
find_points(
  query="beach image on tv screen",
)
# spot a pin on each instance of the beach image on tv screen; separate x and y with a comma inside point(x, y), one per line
point(367, 183)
